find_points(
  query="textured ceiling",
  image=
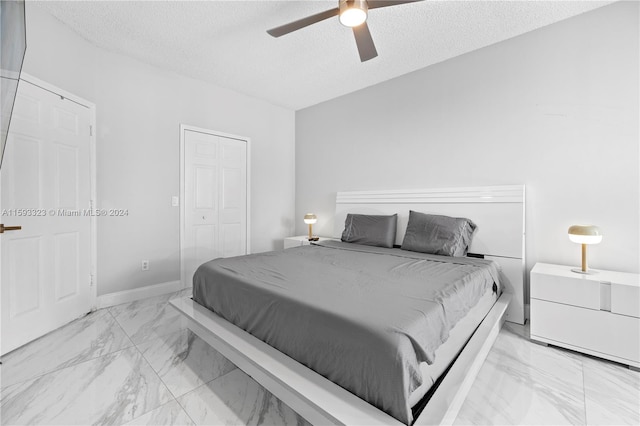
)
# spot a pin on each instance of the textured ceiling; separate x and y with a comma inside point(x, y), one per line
point(225, 42)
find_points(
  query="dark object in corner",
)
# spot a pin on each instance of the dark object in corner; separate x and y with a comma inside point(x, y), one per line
point(13, 41)
point(476, 255)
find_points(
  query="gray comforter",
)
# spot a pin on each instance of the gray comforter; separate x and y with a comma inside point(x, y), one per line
point(361, 316)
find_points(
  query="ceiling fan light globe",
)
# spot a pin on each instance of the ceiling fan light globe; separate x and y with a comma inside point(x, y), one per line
point(353, 12)
point(353, 17)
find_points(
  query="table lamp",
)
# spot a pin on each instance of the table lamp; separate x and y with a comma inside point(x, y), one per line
point(584, 234)
point(310, 219)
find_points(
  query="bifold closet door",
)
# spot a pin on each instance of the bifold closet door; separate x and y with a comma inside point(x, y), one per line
point(215, 199)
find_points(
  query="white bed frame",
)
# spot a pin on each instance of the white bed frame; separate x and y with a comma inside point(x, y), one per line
point(499, 213)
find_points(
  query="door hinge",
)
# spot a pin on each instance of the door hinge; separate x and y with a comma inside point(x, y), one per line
point(91, 280)
point(90, 130)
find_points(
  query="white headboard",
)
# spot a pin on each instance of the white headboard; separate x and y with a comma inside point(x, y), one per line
point(498, 211)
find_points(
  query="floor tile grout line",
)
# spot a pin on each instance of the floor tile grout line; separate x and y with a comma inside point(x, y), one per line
point(212, 380)
point(115, 320)
point(144, 341)
point(165, 302)
point(110, 313)
point(151, 365)
point(199, 387)
point(157, 305)
point(230, 371)
point(50, 332)
point(62, 367)
point(158, 374)
point(69, 366)
point(185, 410)
point(161, 381)
point(176, 398)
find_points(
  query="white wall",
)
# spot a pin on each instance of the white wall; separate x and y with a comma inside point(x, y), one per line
point(139, 110)
point(555, 109)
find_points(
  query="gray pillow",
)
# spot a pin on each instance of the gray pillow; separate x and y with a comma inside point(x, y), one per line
point(436, 234)
point(371, 230)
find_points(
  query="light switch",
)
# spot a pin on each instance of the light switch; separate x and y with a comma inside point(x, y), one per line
point(175, 201)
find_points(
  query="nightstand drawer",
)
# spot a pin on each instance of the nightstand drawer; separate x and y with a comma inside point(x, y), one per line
point(569, 290)
point(584, 329)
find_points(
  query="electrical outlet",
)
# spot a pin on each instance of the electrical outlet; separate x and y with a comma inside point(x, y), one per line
point(145, 265)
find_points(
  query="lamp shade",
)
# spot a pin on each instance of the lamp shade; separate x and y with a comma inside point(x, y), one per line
point(585, 234)
point(310, 218)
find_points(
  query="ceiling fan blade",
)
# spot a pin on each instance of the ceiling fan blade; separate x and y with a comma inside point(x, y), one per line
point(304, 22)
point(366, 48)
point(375, 4)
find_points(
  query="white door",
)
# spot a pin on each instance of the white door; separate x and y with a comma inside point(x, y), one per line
point(232, 197)
point(45, 188)
point(214, 199)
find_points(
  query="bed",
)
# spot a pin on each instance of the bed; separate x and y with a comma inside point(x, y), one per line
point(349, 333)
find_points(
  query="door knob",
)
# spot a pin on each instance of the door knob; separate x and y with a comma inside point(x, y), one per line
point(8, 228)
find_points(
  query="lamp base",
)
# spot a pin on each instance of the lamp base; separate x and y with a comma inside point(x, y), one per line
point(580, 271)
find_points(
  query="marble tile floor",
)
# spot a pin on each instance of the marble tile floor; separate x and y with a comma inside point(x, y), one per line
point(138, 364)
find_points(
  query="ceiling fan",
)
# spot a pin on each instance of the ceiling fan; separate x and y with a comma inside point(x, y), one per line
point(352, 13)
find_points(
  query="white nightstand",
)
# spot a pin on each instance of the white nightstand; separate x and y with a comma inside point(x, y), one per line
point(302, 240)
point(596, 314)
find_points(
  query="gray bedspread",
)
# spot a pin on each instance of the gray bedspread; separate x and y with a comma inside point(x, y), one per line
point(363, 317)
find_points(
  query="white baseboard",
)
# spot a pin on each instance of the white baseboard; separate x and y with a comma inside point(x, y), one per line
point(112, 299)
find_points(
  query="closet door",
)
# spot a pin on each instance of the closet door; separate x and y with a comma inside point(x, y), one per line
point(214, 199)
